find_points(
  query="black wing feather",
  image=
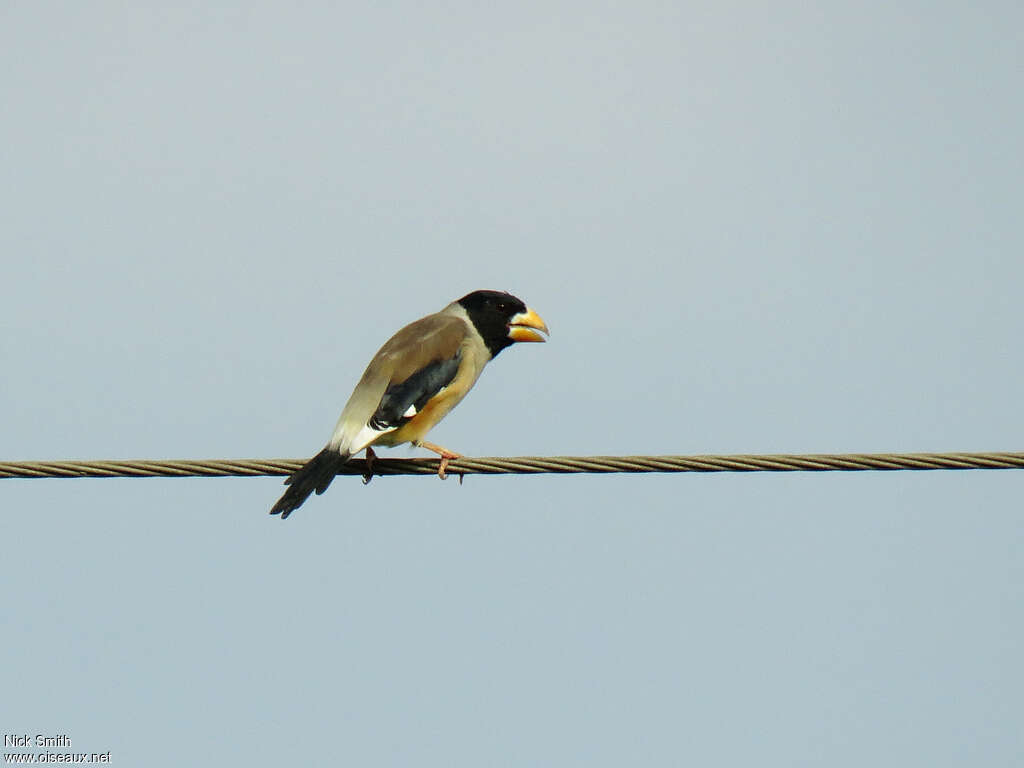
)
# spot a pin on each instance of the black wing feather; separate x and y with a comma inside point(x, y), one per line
point(415, 391)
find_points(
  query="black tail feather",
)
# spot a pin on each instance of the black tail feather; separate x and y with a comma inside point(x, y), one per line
point(315, 475)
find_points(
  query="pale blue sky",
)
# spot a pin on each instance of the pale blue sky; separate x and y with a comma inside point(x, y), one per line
point(750, 228)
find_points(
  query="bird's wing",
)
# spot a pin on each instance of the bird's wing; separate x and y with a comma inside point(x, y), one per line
point(404, 400)
point(411, 367)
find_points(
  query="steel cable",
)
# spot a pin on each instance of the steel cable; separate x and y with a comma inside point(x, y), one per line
point(523, 465)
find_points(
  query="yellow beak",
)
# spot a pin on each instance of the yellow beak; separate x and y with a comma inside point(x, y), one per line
point(527, 326)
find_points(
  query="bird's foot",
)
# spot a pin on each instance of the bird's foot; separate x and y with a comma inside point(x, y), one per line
point(371, 459)
point(445, 455)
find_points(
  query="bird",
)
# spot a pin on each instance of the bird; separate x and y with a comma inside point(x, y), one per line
point(414, 381)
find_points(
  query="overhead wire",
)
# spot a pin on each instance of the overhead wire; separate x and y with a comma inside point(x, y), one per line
point(523, 465)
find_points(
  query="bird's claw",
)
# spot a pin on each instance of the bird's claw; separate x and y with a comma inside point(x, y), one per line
point(371, 459)
point(445, 455)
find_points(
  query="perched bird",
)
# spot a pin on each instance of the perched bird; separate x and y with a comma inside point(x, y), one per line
point(416, 378)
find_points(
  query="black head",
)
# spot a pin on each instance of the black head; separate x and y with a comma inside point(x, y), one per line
point(502, 319)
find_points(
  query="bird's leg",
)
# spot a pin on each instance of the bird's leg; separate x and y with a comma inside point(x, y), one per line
point(445, 455)
point(371, 459)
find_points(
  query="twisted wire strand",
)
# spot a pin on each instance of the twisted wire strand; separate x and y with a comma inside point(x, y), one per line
point(523, 465)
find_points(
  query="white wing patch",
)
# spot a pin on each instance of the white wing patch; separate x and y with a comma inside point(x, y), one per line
point(365, 437)
point(409, 412)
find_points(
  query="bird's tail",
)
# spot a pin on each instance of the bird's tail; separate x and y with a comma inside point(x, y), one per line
point(315, 475)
